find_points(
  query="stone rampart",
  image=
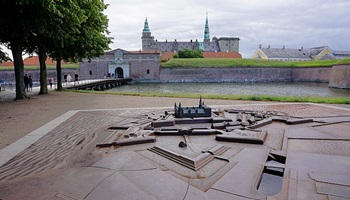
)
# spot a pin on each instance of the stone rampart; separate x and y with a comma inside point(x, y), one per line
point(340, 77)
point(245, 74)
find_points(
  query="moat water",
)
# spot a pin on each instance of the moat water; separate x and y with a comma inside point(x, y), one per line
point(276, 89)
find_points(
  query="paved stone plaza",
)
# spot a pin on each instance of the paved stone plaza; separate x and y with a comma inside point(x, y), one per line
point(258, 151)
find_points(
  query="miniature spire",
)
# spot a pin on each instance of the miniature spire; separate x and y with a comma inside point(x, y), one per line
point(206, 30)
point(146, 27)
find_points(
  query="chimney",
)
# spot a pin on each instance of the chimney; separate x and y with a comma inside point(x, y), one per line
point(268, 46)
point(283, 47)
point(259, 46)
point(302, 48)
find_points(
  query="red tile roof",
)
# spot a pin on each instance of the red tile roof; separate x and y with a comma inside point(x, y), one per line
point(34, 60)
point(169, 55)
point(222, 55)
point(31, 61)
point(144, 52)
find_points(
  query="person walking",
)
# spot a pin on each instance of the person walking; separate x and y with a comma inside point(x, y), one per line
point(50, 81)
point(30, 82)
point(76, 78)
point(69, 78)
point(26, 82)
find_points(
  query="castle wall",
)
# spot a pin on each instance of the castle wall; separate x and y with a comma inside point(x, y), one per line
point(318, 74)
point(340, 77)
point(243, 74)
point(95, 69)
point(143, 66)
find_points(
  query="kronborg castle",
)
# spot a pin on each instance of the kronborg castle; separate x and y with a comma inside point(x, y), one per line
point(144, 65)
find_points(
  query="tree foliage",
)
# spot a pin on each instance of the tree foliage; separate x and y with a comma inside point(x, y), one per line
point(4, 56)
point(187, 53)
point(63, 30)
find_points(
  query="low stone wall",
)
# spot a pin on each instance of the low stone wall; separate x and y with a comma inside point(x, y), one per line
point(245, 74)
point(340, 77)
point(9, 76)
point(216, 74)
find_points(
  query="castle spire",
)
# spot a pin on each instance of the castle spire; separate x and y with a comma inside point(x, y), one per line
point(206, 30)
point(146, 27)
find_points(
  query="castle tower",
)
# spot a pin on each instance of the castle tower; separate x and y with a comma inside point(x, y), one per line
point(206, 31)
point(148, 42)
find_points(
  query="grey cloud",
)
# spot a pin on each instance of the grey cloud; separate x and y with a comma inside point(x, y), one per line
point(290, 23)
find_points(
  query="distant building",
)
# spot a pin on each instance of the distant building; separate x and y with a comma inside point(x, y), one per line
point(119, 63)
point(223, 44)
point(302, 54)
point(145, 65)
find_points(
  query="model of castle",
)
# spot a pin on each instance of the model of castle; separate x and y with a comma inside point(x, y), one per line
point(190, 112)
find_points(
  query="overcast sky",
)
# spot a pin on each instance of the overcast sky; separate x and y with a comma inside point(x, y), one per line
point(290, 23)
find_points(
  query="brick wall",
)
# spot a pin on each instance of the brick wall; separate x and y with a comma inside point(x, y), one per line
point(243, 74)
point(319, 74)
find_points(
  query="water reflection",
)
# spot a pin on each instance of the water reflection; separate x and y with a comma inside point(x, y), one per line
point(277, 89)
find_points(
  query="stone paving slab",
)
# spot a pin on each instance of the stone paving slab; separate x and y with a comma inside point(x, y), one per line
point(148, 184)
point(335, 178)
point(333, 190)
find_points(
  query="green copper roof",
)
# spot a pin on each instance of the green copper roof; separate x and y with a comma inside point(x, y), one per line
point(145, 27)
point(206, 30)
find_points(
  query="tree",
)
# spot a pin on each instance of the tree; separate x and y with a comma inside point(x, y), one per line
point(4, 56)
point(88, 41)
point(15, 28)
point(49, 27)
point(62, 20)
point(187, 53)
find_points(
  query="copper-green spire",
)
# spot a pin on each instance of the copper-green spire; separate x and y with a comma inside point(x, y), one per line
point(145, 27)
point(206, 30)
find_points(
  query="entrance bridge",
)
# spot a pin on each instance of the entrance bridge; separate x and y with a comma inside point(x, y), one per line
point(99, 85)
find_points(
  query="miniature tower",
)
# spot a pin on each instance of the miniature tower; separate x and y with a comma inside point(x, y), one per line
point(206, 31)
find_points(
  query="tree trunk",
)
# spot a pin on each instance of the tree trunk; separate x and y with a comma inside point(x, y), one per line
point(19, 69)
point(43, 73)
point(59, 75)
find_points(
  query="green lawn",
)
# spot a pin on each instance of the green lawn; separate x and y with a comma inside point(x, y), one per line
point(327, 100)
point(228, 62)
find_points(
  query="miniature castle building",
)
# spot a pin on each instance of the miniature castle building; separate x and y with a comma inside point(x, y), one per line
point(190, 112)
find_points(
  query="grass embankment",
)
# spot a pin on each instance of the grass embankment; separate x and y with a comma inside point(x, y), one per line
point(343, 62)
point(327, 100)
point(229, 62)
point(64, 66)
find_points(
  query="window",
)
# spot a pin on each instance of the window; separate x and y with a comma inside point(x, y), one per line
point(90, 72)
point(147, 71)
